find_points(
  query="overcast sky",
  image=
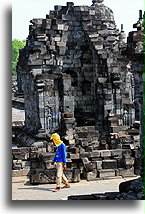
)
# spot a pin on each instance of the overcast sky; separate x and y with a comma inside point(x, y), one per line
point(125, 12)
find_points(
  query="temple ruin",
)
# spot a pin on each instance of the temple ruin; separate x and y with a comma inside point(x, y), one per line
point(82, 78)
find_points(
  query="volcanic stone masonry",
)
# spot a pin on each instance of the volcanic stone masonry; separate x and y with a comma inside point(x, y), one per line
point(80, 78)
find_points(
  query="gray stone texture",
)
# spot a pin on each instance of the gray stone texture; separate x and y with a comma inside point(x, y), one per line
point(81, 79)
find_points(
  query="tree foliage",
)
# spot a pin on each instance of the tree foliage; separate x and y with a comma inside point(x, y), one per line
point(16, 46)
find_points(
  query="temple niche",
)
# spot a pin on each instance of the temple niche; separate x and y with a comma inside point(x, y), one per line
point(78, 79)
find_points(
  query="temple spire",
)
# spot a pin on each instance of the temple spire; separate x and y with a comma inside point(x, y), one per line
point(97, 1)
point(140, 14)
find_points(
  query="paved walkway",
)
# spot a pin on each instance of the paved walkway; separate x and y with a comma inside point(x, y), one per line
point(26, 191)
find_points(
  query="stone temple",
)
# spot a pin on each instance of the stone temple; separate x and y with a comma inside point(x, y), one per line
point(81, 77)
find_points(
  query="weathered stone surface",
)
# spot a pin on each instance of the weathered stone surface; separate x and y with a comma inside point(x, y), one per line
point(44, 176)
point(90, 176)
point(20, 173)
point(116, 152)
point(105, 153)
point(94, 154)
point(106, 173)
point(98, 165)
point(109, 164)
point(126, 172)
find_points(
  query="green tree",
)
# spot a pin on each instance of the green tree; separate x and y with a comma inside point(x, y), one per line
point(16, 46)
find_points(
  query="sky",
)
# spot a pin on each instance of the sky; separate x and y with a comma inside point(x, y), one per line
point(126, 12)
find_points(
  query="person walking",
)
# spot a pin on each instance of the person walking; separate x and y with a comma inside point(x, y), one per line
point(60, 162)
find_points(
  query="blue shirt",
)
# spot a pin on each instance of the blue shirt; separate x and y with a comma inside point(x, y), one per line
point(60, 155)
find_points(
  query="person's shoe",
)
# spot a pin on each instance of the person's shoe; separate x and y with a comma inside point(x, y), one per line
point(66, 186)
point(57, 189)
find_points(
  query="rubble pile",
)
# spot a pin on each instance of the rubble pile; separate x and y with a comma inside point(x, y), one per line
point(21, 161)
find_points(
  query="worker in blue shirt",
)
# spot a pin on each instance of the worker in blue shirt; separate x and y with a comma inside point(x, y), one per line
point(60, 161)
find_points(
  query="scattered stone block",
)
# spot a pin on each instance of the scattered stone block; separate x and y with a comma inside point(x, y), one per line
point(109, 164)
point(98, 165)
point(116, 152)
point(106, 173)
point(90, 176)
point(20, 173)
point(105, 153)
point(126, 172)
point(94, 154)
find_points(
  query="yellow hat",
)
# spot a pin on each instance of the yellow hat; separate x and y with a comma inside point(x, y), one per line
point(55, 136)
point(56, 139)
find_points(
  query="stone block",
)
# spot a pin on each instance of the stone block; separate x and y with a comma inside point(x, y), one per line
point(90, 176)
point(116, 152)
point(46, 156)
point(68, 173)
point(117, 172)
point(35, 164)
point(92, 12)
point(48, 24)
point(48, 165)
point(106, 173)
point(84, 143)
point(94, 154)
point(76, 175)
point(116, 129)
point(98, 165)
point(126, 153)
point(36, 62)
point(82, 134)
point(84, 154)
point(85, 160)
point(68, 115)
point(25, 164)
point(136, 153)
point(69, 137)
point(57, 7)
point(89, 149)
point(81, 197)
point(105, 153)
point(74, 156)
point(89, 167)
point(99, 47)
point(20, 156)
point(125, 139)
point(43, 176)
point(93, 133)
point(128, 146)
point(33, 155)
point(20, 173)
point(109, 164)
point(49, 147)
point(126, 172)
point(137, 167)
point(108, 107)
point(69, 120)
point(72, 142)
point(128, 162)
point(17, 166)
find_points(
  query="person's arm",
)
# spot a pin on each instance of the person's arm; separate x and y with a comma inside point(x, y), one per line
point(63, 150)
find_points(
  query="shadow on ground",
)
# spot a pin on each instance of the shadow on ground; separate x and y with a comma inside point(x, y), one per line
point(37, 188)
